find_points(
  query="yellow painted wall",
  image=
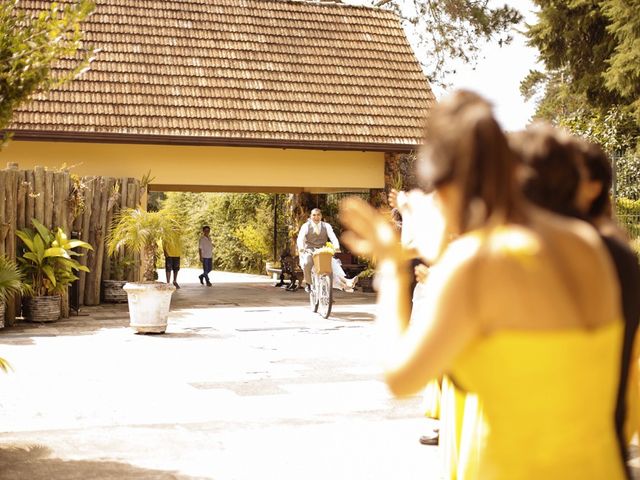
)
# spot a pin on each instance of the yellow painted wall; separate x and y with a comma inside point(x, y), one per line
point(209, 168)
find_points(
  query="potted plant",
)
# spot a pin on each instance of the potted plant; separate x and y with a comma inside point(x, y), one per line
point(48, 268)
point(141, 231)
point(113, 288)
point(10, 284)
point(365, 279)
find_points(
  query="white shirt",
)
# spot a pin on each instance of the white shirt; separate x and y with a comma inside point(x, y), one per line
point(206, 247)
point(305, 229)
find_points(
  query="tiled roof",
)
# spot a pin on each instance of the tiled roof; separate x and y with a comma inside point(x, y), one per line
point(254, 71)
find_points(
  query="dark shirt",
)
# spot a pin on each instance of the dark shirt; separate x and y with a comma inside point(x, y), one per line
point(628, 273)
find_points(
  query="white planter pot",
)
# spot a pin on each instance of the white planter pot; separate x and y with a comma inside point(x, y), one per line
point(149, 306)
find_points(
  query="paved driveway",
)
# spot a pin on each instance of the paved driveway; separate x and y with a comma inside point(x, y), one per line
point(247, 383)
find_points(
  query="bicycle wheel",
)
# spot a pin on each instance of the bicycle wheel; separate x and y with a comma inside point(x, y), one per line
point(325, 295)
point(313, 293)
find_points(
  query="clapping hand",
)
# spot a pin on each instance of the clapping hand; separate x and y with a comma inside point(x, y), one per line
point(369, 233)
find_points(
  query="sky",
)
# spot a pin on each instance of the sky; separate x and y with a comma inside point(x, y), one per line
point(499, 70)
point(498, 75)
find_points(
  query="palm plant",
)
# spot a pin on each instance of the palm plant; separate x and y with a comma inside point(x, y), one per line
point(47, 261)
point(10, 279)
point(141, 231)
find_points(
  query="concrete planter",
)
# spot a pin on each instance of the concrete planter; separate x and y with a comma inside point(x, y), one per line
point(149, 304)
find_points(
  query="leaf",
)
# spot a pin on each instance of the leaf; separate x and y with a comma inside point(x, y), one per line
point(42, 230)
point(25, 239)
point(48, 271)
point(78, 244)
point(55, 252)
point(38, 246)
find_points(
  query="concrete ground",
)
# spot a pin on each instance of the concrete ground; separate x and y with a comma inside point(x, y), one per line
point(247, 383)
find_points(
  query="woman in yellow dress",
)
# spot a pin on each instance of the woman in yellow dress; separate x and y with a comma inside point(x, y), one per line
point(522, 311)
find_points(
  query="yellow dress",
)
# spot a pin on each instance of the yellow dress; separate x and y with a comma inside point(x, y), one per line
point(535, 397)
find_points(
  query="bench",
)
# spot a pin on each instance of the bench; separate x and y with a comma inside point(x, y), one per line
point(290, 270)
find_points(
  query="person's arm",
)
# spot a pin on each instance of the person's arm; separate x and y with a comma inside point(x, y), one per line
point(414, 354)
point(200, 248)
point(332, 236)
point(301, 236)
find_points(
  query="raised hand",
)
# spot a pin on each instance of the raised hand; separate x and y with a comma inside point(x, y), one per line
point(369, 233)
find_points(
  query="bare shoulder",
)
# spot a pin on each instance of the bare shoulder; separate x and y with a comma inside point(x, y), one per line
point(571, 229)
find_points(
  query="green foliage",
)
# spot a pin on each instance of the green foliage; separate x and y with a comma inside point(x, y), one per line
point(10, 279)
point(618, 133)
point(120, 264)
point(367, 273)
point(628, 215)
point(590, 50)
point(614, 129)
point(627, 176)
point(241, 227)
point(46, 259)
point(452, 29)
point(141, 231)
point(39, 51)
point(623, 74)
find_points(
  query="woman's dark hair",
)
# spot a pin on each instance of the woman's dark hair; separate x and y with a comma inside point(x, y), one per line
point(551, 177)
point(599, 168)
point(465, 145)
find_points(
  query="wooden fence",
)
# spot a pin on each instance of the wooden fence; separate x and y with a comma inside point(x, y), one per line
point(82, 206)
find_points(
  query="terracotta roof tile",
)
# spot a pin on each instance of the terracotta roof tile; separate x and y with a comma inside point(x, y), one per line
point(272, 70)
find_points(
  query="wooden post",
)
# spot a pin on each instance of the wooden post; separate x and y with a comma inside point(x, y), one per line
point(4, 224)
point(130, 202)
point(90, 297)
point(112, 202)
point(48, 196)
point(84, 231)
point(21, 216)
point(30, 201)
point(11, 207)
point(106, 186)
point(4, 228)
point(39, 191)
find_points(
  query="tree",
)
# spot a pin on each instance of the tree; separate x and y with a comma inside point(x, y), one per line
point(623, 74)
point(452, 30)
point(39, 51)
point(590, 52)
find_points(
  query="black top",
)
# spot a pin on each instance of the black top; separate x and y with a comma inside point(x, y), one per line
point(628, 272)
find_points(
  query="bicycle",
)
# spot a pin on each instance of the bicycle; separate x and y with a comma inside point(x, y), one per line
point(321, 288)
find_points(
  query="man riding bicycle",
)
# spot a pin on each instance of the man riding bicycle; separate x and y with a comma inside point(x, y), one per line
point(315, 234)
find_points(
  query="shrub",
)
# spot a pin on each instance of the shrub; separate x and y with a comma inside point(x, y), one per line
point(46, 259)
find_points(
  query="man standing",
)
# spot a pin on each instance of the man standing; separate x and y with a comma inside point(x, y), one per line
point(205, 248)
point(315, 234)
point(172, 261)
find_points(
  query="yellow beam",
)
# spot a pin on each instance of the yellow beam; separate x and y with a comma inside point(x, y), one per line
point(210, 168)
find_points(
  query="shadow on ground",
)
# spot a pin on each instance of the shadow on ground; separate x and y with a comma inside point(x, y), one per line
point(34, 462)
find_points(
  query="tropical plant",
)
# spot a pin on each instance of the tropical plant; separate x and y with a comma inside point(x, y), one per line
point(120, 265)
point(141, 231)
point(367, 273)
point(10, 279)
point(46, 259)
